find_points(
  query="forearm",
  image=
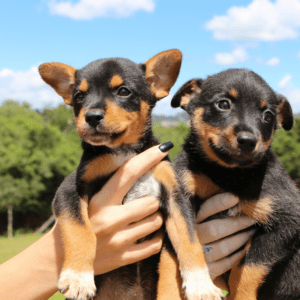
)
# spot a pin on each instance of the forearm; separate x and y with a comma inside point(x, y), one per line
point(33, 273)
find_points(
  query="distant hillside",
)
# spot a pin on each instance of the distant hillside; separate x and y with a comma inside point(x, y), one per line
point(173, 120)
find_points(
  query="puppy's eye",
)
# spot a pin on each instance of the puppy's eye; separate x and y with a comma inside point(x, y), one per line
point(123, 92)
point(79, 97)
point(223, 105)
point(267, 117)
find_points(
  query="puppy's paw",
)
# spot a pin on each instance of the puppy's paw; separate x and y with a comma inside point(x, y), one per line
point(77, 285)
point(199, 286)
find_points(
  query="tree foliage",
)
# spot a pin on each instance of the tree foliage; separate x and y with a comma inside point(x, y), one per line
point(286, 145)
point(34, 155)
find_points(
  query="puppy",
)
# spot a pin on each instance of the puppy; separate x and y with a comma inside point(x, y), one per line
point(112, 101)
point(234, 115)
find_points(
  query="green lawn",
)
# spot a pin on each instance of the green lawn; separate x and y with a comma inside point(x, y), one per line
point(11, 247)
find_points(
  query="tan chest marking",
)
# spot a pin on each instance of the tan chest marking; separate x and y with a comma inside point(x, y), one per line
point(200, 184)
point(259, 210)
point(104, 165)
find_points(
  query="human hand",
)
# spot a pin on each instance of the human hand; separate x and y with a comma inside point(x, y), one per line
point(219, 237)
point(118, 227)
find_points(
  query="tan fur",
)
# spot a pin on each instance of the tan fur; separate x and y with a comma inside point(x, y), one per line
point(79, 241)
point(169, 287)
point(259, 210)
point(61, 77)
point(158, 73)
point(118, 120)
point(245, 281)
point(84, 86)
point(116, 81)
point(233, 93)
point(189, 252)
point(100, 166)
point(263, 103)
point(164, 173)
point(80, 123)
point(200, 184)
point(206, 132)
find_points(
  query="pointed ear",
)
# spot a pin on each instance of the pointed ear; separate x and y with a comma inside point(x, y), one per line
point(162, 71)
point(188, 91)
point(285, 118)
point(61, 77)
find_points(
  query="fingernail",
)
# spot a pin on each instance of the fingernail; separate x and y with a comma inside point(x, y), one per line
point(166, 146)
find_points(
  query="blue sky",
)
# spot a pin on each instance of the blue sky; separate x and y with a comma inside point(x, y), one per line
point(261, 35)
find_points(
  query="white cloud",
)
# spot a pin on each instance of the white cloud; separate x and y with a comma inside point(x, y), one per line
point(26, 86)
point(91, 9)
point(237, 55)
point(273, 62)
point(290, 91)
point(285, 81)
point(260, 20)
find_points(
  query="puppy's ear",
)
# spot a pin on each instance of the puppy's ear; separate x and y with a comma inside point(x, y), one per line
point(188, 91)
point(162, 71)
point(61, 77)
point(285, 118)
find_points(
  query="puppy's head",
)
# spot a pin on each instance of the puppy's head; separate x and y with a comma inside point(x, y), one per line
point(113, 98)
point(234, 115)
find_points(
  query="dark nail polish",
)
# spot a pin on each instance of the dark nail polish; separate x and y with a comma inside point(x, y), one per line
point(166, 146)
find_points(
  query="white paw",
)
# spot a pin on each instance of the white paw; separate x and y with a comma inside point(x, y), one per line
point(199, 286)
point(77, 285)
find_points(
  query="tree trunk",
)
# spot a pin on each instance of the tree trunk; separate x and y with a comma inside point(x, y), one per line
point(47, 224)
point(10, 221)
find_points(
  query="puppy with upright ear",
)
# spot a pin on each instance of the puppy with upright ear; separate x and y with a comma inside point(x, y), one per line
point(112, 100)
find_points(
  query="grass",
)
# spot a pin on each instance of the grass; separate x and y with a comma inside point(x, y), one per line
point(13, 246)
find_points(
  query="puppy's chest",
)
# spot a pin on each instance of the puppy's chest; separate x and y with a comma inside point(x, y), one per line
point(97, 172)
point(203, 187)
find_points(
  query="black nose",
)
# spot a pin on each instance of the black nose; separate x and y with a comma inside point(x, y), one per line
point(94, 117)
point(246, 141)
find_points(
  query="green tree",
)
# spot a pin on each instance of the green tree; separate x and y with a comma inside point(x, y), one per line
point(32, 154)
point(286, 145)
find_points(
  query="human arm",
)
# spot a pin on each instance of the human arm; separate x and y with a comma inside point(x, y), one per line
point(33, 273)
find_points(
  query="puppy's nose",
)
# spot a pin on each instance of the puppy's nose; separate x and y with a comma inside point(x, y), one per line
point(94, 117)
point(246, 141)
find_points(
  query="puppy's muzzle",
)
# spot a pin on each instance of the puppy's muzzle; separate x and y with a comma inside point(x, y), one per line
point(94, 117)
point(246, 141)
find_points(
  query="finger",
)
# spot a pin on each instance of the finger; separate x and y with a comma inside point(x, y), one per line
point(214, 230)
point(139, 209)
point(219, 267)
point(145, 227)
point(215, 204)
point(144, 249)
point(227, 246)
point(120, 183)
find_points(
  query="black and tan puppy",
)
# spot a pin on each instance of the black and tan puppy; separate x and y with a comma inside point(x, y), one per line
point(234, 115)
point(112, 101)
